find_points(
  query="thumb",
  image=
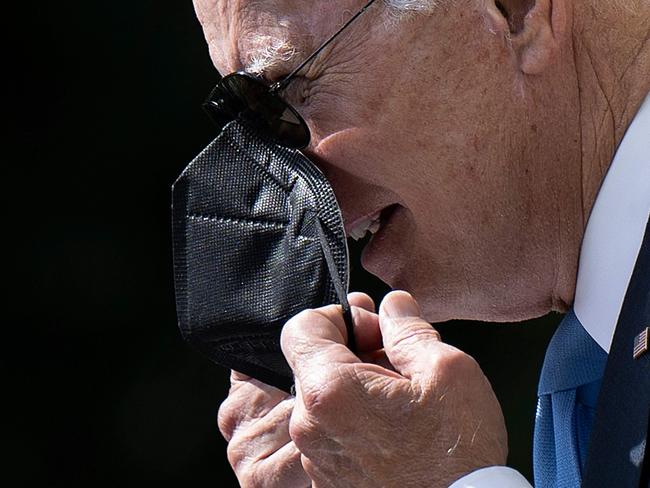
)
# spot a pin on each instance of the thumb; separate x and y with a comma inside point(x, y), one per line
point(410, 342)
point(313, 341)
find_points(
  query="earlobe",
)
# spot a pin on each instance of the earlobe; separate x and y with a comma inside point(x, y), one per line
point(535, 29)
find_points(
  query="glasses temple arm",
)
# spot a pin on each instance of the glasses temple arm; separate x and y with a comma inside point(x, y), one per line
point(285, 81)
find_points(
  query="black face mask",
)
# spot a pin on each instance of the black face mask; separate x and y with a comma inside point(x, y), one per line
point(258, 237)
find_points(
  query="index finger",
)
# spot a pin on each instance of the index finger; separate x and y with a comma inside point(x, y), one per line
point(316, 338)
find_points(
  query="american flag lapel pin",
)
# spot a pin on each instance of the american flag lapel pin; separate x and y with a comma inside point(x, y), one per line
point(641, 343)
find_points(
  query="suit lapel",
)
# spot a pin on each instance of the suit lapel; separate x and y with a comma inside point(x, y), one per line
point(618, 440)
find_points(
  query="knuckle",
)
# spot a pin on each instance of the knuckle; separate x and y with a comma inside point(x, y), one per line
point(308, 466)
point(320, 407)
point(245, 403)
point(298, 320)
point(321, 390)
point(292, 329)
point(411, 330)
point(456, 366)
point(312, 396)
point(236, 454)
point(249, 479)
point(302, 431)
point(227, 419)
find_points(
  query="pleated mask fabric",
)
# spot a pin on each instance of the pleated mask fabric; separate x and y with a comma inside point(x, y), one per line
point(257, 237)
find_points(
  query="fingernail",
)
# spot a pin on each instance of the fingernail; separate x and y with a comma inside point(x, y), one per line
point(400, 304)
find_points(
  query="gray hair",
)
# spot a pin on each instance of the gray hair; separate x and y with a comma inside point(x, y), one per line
point(411, 6)
point(396, 11)
point(275, 50)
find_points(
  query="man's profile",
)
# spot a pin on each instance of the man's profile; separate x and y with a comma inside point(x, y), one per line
point(499, 151)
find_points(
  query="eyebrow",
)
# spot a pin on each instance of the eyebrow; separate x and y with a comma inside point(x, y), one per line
point(285, 81)
point(272, 51)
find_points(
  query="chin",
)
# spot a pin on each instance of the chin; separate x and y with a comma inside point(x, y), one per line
point(475, 308)
point(442, 302)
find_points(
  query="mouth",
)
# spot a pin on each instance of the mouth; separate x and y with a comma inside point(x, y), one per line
point(370, 223)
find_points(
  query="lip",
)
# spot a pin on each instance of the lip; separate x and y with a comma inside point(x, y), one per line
point(387, 251)
point(357, 199)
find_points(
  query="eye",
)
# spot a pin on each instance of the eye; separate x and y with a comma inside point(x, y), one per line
point(298, 92)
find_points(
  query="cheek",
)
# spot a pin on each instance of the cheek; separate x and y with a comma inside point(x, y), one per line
point(328, 112)
point(345, 98)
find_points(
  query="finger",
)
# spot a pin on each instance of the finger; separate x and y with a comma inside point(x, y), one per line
point(239, 380)
point(316, 338)
point(264, 455)
point(366, 322)
point(254, 397)
point(260, 439)
point(377, 357)
point(323, 476)
point(365, 326)
point(366, 329)
point(361, 300)
point(283, 469)
point(247, 401)
point(237, 376)
point(409, 341)
point(360, 303)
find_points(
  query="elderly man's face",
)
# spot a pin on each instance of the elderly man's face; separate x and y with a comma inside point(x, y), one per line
point(429, 121)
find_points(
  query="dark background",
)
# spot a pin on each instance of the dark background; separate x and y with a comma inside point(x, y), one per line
point(101, 389)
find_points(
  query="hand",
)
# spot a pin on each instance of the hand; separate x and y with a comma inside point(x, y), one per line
point(254, 419)
point(419, 413)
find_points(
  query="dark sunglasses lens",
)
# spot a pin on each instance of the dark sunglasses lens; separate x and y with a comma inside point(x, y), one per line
point(240, 95)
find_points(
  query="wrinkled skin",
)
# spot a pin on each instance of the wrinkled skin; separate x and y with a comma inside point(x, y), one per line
point(491, 128)
point(426, 419)
point(477, 132)
point(408, 410)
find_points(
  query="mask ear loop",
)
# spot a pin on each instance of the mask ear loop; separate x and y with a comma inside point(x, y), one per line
point(338, 285)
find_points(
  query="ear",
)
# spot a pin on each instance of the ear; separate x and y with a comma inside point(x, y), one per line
point(535, 29)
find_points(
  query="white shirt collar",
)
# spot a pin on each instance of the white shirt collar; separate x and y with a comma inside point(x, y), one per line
point(614, 233)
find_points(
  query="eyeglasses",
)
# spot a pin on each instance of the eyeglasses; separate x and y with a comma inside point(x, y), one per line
point(248, 98)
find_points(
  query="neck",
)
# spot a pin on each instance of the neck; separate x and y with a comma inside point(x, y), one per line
point(611, 47)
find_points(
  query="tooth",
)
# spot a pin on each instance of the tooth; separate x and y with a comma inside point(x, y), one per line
point(371, 223)
point(357, 233)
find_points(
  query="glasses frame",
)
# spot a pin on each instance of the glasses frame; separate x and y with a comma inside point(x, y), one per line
point(249, 98)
